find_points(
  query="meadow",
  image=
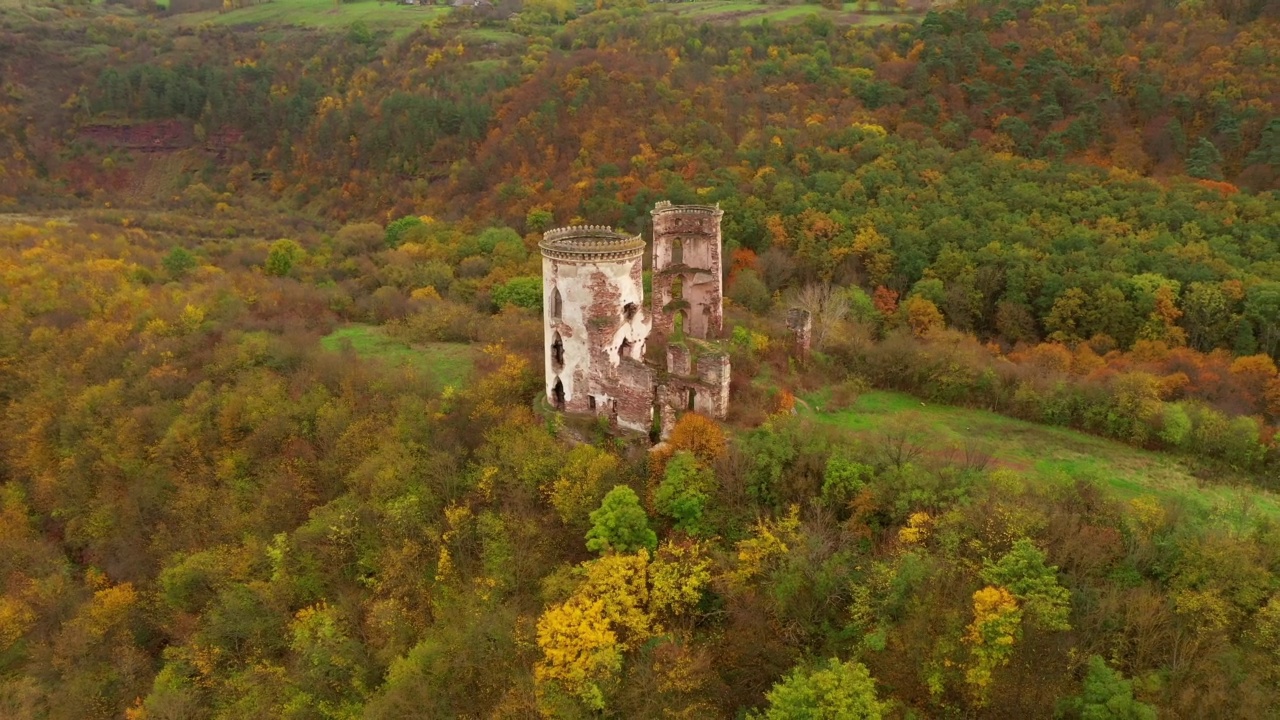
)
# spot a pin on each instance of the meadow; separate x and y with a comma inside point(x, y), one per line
point(742, 12)
point(324, 14)
point(1047, 454)
point(449, 364)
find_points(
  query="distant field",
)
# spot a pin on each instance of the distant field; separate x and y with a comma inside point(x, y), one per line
point(403, 18)
point(449, 363)
point(745, 12)
point(321, 13)
point(1051, 454)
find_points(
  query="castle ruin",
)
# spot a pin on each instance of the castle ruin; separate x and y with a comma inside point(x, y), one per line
point(597, 329)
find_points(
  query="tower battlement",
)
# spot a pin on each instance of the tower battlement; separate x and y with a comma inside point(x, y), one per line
point(664, 207)
point(595, 241)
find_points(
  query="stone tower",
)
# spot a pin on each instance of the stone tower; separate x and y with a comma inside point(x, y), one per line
point(595, 324)
point(687, 283)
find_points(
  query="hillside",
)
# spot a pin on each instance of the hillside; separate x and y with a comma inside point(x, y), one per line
point(273, 440)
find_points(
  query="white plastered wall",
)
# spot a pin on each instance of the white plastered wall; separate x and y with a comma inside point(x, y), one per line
point(576, 282)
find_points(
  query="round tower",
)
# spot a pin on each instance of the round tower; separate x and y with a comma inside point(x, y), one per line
point(688, 287)
point(595, 328)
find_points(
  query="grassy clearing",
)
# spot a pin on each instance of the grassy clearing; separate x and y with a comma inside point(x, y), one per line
point(490, 35)
point(322, 14)
point(746, 12)
point(448, 363)
point(1051, 454)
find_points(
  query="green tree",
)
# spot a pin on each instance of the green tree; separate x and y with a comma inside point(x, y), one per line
point(179, 262)
point(620, 524)
point(284, 254)
point(1107, 696)
point(397, 229)
point(504, 244)
point(1022, 571)
point(842, 480)
point(1066, 316)
point(682, 495)
point(1262, 307)
point(749, 291)
point(861, 308)
point(525, 292)
point(330, 662)
point(1205, 315)
point(834, 690)
point(538, 219)
point(1175, 427)
point(1205, 161)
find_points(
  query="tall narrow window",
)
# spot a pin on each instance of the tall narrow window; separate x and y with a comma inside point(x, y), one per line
point(693, 394)
point(557, 351)
point(677, 252)
point(591, 402)
point(624, 350)
point(557, 394)
point(677, 288)
point(555, 303)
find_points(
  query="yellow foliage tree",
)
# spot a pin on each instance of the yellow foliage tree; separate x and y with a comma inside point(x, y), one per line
point(580, 652)
point(922, 315)
point(875, 252)
point(16, 617)
point(699, 435)
point(770, 540)
point(916, 529)
point(624, 600)
point(996, 626)
point(582, 483)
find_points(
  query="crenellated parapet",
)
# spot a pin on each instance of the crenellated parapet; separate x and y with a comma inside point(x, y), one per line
point(590, 243)
point(665, 207)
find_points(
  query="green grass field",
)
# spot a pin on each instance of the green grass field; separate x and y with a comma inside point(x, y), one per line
point(322, 14)
point(746, 12)
point(1051, 454)
point(448, 363)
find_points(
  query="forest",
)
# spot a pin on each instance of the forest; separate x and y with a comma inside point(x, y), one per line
point(272, 440)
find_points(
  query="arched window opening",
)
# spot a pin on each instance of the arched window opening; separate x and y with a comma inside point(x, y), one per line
point(557, 394)
point(629, 311)
point(677, 288)
point(557, 351)
point(556, 303)
point(677, 252)
point(693, 394)
point(624, 350)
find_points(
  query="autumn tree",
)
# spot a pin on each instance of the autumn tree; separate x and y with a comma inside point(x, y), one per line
point(996, 626)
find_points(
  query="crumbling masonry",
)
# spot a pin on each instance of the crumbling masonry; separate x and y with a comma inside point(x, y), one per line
point(597, 329)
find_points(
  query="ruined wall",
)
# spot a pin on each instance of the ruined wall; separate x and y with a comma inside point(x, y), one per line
point(635, 395)
point(800, 323)
point(697, 380)
point(687, 277)
point(713, 372)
